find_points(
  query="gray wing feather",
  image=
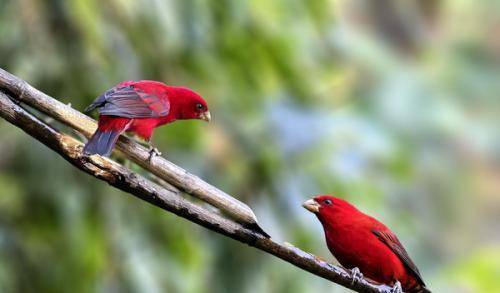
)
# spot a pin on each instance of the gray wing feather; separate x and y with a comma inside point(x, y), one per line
point(129, 102)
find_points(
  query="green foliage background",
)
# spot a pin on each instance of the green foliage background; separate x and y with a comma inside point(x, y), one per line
point(393, 106)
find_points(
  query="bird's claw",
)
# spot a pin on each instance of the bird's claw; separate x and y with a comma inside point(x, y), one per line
point(397, 288)
point(153, 152)
point(356, 275)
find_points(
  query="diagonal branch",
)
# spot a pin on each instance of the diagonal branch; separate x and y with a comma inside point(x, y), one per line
point(159, 166)
point(170, 198)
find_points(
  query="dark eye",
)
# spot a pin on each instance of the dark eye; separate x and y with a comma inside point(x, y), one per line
point(199, 106)
point(327, 202)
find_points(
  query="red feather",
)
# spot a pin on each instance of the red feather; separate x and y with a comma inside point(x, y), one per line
point(358, 240)
point(139, 107)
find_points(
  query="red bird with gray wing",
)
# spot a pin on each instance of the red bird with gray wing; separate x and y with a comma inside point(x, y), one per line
point(139, 107)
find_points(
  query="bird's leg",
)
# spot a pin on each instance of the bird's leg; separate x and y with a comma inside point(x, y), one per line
point(153, 152)
point(356, 275)
point(147, 144)
point(397, 288)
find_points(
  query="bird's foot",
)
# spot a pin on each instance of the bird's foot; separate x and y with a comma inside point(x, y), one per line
point(153, 152)
point(356, 275)
point(397, 288)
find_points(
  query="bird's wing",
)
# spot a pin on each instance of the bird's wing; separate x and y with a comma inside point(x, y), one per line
point(393, 243)
point(130, 102)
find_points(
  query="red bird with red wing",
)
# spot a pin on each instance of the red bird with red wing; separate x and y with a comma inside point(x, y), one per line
point(139, 107)
point(360, 241)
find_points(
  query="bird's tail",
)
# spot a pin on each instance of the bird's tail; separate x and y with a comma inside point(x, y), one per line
point(102, 142)
point(106, 135)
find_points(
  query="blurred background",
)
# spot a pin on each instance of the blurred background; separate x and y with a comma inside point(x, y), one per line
point(390, 104)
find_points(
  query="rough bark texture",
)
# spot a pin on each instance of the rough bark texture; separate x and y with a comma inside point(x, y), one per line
point(164, 169)
point(166, 197)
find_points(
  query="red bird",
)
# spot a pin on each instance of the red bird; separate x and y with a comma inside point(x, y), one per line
point(139, 107)
point(361, 243)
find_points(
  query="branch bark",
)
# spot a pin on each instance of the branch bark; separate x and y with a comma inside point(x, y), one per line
point(158, 166)
point(167, 198)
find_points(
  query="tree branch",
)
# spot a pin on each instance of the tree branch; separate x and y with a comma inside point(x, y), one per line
point(167, 198)
point(159, 166)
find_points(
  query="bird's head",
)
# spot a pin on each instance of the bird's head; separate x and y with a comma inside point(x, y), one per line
point(189, 104)
point(327, 205)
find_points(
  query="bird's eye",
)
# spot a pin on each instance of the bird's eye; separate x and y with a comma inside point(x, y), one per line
point(199, 106)
point(327, 202)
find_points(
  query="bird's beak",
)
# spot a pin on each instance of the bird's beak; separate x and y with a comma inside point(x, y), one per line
point(205, 116)
point(311, 205)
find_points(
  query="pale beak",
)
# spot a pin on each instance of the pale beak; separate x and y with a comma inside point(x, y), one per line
point(205, 116)
point(311, 205)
